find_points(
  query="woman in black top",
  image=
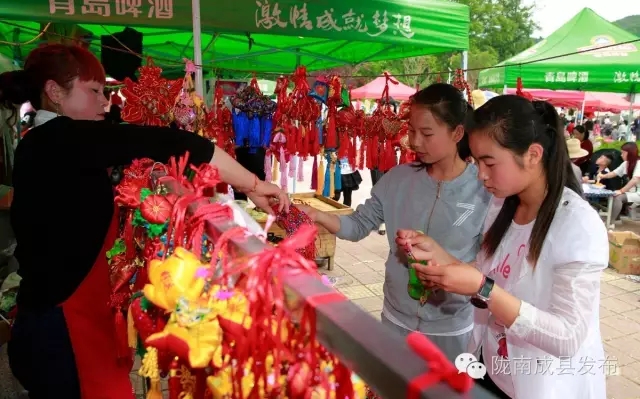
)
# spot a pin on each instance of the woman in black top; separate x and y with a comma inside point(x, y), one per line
point(63, 341)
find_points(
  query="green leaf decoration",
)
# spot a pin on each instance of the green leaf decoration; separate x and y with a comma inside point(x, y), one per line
point(118, 249)
point(156, 230)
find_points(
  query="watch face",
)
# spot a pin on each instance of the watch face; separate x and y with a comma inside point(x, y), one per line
point(478, 303)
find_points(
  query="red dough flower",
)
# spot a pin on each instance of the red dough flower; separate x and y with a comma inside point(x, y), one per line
point(156, 209)
point(151, 99)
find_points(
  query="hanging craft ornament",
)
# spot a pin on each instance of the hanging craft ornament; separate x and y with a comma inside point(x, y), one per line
point(156, 209)
point(346, 126)
point(461, 84)
point(381, 131)
point(291, 222)
point(150, 101)
point(189, 110)
point(320, 89)
point(520, 90)
point(219, 124)
point(345, 95)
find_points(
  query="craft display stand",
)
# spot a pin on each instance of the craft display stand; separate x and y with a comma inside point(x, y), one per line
point(325, 242)
point(379, 356)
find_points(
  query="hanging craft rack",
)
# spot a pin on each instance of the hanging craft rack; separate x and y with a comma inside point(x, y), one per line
point(380, 357)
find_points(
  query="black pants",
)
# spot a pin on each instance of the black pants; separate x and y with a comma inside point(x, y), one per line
point(347, 196)
point(254, 163)
point(41, 356)
point(375, 176)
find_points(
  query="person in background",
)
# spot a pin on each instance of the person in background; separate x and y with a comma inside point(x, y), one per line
point(27, 122)
point(439, 194)
point(615, 132)
point(571, 126)
point(575, 152)
point(536, 282)
point(351, 180)
point(601, 166)
point(630, 169)
point(582, 133)
point(64, 341)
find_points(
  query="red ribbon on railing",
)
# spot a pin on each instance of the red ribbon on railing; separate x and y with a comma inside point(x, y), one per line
point(440, 368)
point(325, 298)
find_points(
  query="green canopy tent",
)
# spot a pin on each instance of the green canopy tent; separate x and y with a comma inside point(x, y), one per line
point(255, 36)
point(603, 57)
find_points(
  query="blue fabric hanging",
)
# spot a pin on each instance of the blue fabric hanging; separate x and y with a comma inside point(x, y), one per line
point(267, 127)
point(327, 182)
point(241, 128)
point(337, 185)
point(319, 126)
point(254, 134)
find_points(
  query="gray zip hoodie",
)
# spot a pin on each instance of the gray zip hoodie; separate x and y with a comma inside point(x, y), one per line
point(452, 213)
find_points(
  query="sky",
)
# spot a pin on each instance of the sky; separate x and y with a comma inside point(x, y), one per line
point(552, 14)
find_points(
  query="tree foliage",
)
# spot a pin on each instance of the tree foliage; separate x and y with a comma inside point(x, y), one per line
point(630, 24)
point(499, 29)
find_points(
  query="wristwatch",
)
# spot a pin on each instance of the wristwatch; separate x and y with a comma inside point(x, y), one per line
point(481, 299)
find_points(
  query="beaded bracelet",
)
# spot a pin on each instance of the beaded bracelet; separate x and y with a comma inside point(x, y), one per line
point(256, 181)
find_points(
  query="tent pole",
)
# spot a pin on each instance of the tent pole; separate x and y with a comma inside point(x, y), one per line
point(582, 110)
point(465, 64)
point(632, 99)
point(295, 157)
point(197, 46)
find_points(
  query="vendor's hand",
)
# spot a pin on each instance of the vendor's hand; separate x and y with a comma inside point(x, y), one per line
point(309, 210)
point(585, 179)
point(423, 248)
point(617, 193)
point(266, 194)
point(458, 278)
point(601, 176)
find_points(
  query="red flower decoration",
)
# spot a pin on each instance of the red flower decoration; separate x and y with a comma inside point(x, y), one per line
point(155, 209)
point(150, 101)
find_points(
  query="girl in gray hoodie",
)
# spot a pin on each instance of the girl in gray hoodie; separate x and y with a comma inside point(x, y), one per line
point(440, 195)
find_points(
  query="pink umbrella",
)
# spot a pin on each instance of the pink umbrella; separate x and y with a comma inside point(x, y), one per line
point(374, 89)
point(610, 102)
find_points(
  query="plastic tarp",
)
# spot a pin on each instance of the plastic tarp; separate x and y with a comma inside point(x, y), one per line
point(590, 66)
point(610, 102)
point(373, 89)
point(253, 35)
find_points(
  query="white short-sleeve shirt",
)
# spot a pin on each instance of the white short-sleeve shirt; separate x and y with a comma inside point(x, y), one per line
point(633, 195)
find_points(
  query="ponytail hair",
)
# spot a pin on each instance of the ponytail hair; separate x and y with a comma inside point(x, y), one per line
point(516, 123)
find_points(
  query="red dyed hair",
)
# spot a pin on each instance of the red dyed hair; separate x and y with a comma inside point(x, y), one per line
point(58, 62)
point(631, 149)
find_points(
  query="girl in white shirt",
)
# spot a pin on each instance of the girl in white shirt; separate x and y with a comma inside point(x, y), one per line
point(536, 282)
point(631, 169)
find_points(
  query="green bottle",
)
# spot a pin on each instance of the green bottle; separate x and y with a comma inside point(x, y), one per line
point(415, 287)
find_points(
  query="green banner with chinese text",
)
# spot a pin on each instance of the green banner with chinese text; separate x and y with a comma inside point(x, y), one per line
point(438, 24)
